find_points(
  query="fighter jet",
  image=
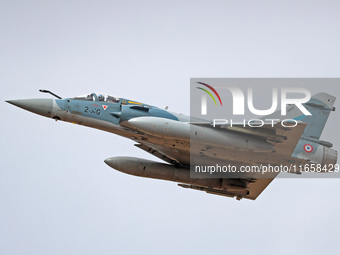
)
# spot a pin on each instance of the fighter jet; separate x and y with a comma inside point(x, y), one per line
point(176, 139)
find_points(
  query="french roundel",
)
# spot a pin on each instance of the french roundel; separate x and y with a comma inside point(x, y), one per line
point(308, 148)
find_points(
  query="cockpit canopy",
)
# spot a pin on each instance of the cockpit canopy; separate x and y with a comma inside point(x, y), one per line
point(97, 97)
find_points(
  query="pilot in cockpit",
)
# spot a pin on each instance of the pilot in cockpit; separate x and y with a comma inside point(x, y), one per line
point(112, 99)
point(101, 98)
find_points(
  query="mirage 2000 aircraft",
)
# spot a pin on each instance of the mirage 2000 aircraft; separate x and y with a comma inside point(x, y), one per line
point(169, 136)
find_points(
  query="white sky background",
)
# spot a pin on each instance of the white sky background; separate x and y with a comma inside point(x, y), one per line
point(57, 196)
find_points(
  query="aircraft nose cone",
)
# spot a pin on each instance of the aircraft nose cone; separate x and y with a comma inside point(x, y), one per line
point(111, 162)
point(41, 106)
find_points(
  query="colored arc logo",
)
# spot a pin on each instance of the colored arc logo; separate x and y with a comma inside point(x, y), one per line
point(212, 89)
